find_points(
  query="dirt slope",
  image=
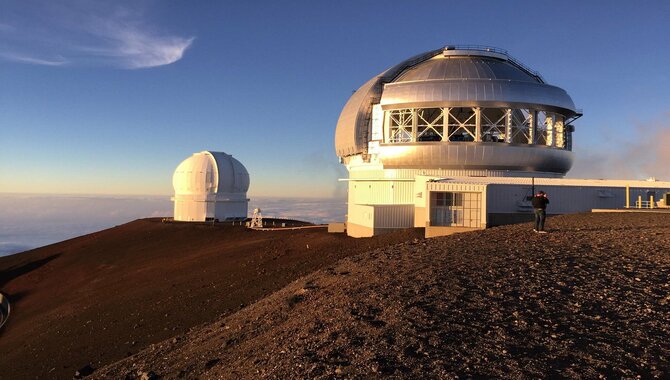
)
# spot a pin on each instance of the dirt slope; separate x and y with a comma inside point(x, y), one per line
point(589, 299)
point(101, 297)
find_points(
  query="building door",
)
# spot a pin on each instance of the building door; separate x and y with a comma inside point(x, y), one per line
point(455, 209)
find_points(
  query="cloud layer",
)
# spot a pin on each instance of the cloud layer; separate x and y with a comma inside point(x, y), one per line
point(87, 34)
point(641, 153)
point(30, 221)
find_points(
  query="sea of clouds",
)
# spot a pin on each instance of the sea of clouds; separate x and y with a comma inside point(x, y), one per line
point(31, 221)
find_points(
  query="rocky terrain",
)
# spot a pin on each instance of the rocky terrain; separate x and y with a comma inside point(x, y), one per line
point(590, 299)
point(90, 301)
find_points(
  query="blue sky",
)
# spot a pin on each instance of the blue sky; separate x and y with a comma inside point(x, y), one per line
point(100, 97)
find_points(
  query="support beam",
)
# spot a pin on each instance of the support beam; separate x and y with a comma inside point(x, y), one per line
point(508, 125)
point(532, 126)
point(478, 124)
point(415, 122)
point(447, 117)
point(559, 129)
point(445, 128)
point(549, 127)
point(387, 126)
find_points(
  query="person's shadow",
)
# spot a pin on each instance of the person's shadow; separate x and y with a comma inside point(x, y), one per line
point(11, 273)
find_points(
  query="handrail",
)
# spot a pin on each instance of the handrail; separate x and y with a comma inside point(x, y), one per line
point(492, 49)
point(643, 204)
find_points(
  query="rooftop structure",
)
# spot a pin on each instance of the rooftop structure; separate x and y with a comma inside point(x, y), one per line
point(210, 186)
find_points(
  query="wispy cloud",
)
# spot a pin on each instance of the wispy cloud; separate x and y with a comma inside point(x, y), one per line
point(88, 34)
point(317, 210)
point(16, 57)
point(6, 27)
point(30, 221)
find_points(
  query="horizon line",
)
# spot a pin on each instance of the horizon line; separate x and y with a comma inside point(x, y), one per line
point(91, 195)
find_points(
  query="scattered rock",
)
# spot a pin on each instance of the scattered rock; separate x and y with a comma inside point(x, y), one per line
point(84, 371)
point(141, 375)
point(212, 363)
point(480, 305)
point(151, 375)
point(295, 299)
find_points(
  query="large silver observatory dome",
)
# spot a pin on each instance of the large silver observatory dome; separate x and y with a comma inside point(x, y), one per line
point(459, 107)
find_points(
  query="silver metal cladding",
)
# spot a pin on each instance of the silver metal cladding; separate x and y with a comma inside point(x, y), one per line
point(481, 78)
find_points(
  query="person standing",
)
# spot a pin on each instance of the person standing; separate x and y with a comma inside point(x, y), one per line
point(540, 202)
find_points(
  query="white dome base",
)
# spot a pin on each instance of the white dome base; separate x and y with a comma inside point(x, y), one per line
point(189, 210)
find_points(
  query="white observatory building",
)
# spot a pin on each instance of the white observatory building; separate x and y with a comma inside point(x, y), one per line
point(457, 138)
point(210, 186)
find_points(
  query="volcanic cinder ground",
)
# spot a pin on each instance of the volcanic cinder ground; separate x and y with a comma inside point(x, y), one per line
point(590, 298)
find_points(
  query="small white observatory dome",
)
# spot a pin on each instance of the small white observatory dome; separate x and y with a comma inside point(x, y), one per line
point(210, 186)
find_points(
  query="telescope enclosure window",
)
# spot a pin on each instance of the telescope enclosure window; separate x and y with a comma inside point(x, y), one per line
point(489, 125)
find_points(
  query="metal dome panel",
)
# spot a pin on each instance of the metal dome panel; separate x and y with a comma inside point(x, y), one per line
point(196, 175)
point(232, 175)
point(351, 134)
point(472, 156)
point(442, 68)
point(477, 92)
point(349, 138)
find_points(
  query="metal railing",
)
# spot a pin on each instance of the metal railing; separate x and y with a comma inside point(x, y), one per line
point(643, 204)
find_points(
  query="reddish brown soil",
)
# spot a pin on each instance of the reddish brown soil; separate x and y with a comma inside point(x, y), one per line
point(590, 299)
point(101, 297)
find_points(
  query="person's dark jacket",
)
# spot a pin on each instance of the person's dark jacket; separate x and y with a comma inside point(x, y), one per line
point(540, 201)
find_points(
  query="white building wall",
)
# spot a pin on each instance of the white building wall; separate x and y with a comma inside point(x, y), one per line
point(393, 216)
point(378, 206)
point(381, 192)
point(231, 210)
point(193, 210)
point(389, 199)
point(190, 210)
point(362, 215)
point(508, 198)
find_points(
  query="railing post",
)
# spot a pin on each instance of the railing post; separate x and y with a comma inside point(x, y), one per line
point(627, 196)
